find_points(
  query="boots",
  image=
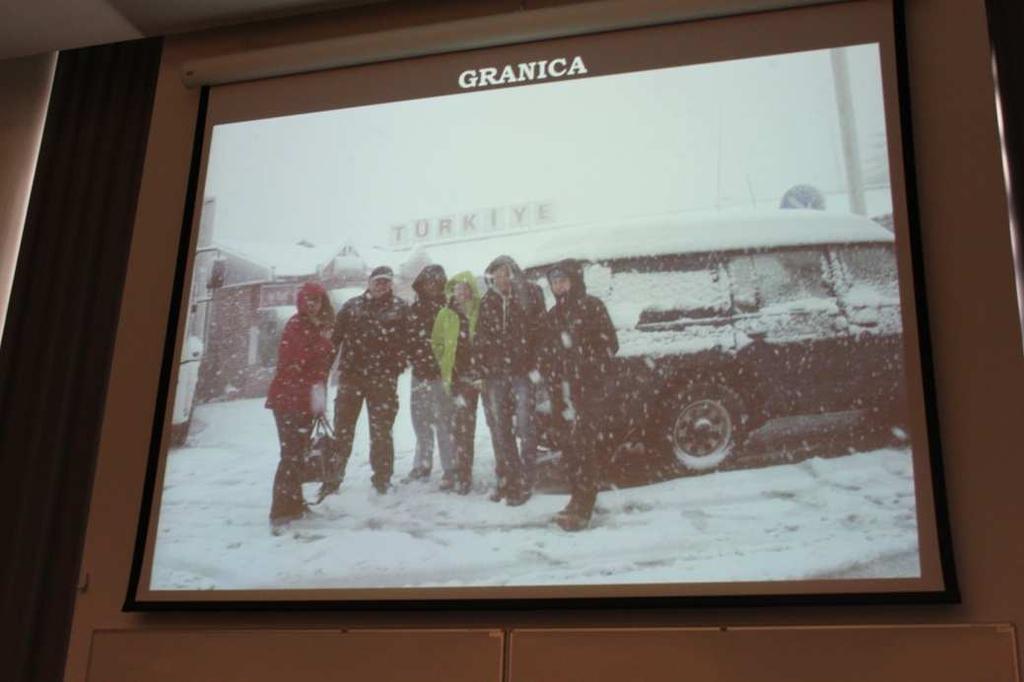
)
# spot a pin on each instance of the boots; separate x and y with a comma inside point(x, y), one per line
point(280, 523)
point(576, 515)
point(417, 474)
point(327, 488)
point(517, 497)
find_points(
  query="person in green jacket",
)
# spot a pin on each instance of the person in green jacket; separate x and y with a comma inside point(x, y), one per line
point(452, 340)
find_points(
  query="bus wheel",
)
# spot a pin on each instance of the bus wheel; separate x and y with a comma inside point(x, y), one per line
point(705, 426)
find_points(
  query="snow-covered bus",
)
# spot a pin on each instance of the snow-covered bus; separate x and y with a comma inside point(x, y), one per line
point(727, 320)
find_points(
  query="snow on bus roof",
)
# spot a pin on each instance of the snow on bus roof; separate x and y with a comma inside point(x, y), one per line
point(705, 232)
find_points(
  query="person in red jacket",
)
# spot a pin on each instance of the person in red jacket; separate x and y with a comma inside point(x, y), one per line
point(297, 394)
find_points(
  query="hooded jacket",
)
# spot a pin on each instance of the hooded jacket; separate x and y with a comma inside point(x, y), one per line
point(421, 322)
point(579, 338)
point(371, 337)
point(507, 326)
point(304, 356)
point(454, 331)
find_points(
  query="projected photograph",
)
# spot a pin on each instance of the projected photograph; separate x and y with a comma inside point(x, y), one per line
point(624, 330)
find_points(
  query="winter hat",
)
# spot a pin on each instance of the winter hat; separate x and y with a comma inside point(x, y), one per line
point(569, 268)
point(315, 290)
point(382, 272)
point(573, 270)
point(430, 273)
point(508, 262)
point(557, 271)
point(311, 289)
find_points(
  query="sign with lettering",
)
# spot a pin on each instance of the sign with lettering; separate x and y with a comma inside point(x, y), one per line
point(472, 224)
point(273, 295)
point(522, 72)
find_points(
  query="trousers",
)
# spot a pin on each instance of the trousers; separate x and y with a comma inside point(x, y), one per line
point(293, 431)
point(381, 398)
point(509, 410)
point(431, 409)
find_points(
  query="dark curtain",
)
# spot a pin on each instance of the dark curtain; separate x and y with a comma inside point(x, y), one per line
point(1006, 31)
point(59, 338)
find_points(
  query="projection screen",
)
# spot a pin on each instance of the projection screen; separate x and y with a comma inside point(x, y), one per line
point(632, 314)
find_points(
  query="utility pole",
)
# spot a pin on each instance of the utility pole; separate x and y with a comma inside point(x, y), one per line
point(848, 131)
point(718, 164)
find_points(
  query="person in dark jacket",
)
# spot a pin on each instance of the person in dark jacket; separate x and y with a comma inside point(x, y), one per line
point(577, 354)
point(370, 335)
point(429, 403)
point(297, 394)
point(505, 358)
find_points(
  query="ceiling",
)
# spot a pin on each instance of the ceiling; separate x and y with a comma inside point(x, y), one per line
point(30, 27)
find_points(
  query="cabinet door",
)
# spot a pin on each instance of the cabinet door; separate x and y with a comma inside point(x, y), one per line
point(790, 654)
point(225, 655)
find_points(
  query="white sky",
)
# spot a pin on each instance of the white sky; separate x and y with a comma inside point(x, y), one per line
point(598, 148)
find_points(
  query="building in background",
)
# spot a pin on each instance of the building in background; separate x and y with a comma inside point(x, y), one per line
point(246, 304)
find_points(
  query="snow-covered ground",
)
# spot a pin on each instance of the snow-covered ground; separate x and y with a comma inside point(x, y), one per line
point(838, 517)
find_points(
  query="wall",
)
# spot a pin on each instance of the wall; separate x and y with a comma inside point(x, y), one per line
point(978, 366)
point(25, 84)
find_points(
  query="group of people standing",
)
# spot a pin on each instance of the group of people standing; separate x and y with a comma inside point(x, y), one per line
point(500, 348)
